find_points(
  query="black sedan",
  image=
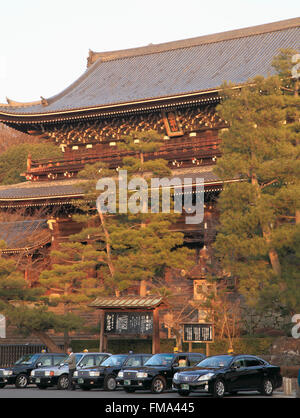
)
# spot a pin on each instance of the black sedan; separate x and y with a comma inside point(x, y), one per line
point(104, 376)
point(229, 373)
point(19, 373)
point(157, 373)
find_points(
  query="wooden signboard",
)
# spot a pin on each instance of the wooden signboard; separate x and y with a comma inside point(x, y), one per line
point(128, 323)
point(198, 333)
point(172, 125)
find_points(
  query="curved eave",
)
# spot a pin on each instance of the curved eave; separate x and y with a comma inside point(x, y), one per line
point(40, 201)
point(27, 249)
point(210, 96)
point(60, 200)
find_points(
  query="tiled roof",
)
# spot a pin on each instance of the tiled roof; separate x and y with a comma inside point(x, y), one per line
point(26, 234)
point(128, 302)
point(71, 189)
point(205, 172)
point(168, 70)
point(30, 190)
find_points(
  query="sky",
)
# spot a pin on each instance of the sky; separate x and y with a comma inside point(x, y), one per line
point(44, 44)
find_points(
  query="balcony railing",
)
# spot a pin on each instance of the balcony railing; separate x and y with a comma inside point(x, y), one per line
point(180, 152)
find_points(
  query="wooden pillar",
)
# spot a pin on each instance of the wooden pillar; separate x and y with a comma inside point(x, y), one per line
point(29, 161)
point(155, 335)
point(143, 288)
point(207, 350)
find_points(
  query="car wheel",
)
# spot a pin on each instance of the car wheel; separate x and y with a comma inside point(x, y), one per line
point(267, 387)
point(158, 385)
point(219, 389)
point(63, 382)
point(184, 392)
point(110, 383)
point(21, 381)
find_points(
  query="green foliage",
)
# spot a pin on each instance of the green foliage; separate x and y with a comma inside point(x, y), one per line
point(23, 305)
point(71, 275)
point(258, 240)
point(131, 247)
point(141, 142)
point(249, 345)
point(29, 319)
point(13, 286)
point(13, 161)
point(289, 371)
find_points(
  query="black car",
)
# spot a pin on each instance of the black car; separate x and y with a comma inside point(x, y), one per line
point(58, 376)
point(19, 373)
point(157, 373)
point(229, 373)
point(105, 375)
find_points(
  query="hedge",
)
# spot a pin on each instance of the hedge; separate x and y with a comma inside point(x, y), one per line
point(246, 345)
point(289, 371)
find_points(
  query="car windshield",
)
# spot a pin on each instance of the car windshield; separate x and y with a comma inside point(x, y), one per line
point(77, 356)
point(28, 359)
point(114, 360)
point(160, 360)
point(215, 361)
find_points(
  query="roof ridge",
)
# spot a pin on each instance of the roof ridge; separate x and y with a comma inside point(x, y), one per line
point(191, 42)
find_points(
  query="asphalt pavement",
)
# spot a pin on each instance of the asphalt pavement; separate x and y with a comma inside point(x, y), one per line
point(10, 392)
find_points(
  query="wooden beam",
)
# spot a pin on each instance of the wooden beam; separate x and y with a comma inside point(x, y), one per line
point(155, 336)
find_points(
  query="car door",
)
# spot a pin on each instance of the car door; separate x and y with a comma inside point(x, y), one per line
point(236, 376)
point(87, 361)
point(99, 358)
point(45, 361)
point(179, 363)
point(195, 359)
point(134, 361)
point(255, 371)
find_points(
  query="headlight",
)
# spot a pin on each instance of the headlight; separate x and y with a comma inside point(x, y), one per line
point(7, 372)
point(49, 373)
point(206, 376)
point(94, 374)
point(175, 376)
point(140, 375)
point(75, 374)
point(120, 374)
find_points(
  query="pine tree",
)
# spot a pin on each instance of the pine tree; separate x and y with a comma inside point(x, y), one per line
point(134, 248)
point(257, 224)
point(24, 306)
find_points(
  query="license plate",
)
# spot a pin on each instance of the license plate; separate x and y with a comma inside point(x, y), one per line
point(80, 380)
point(37, 380)
point(127, 382)
point(185, 386)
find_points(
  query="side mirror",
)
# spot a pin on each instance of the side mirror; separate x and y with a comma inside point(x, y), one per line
point(39, 364)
